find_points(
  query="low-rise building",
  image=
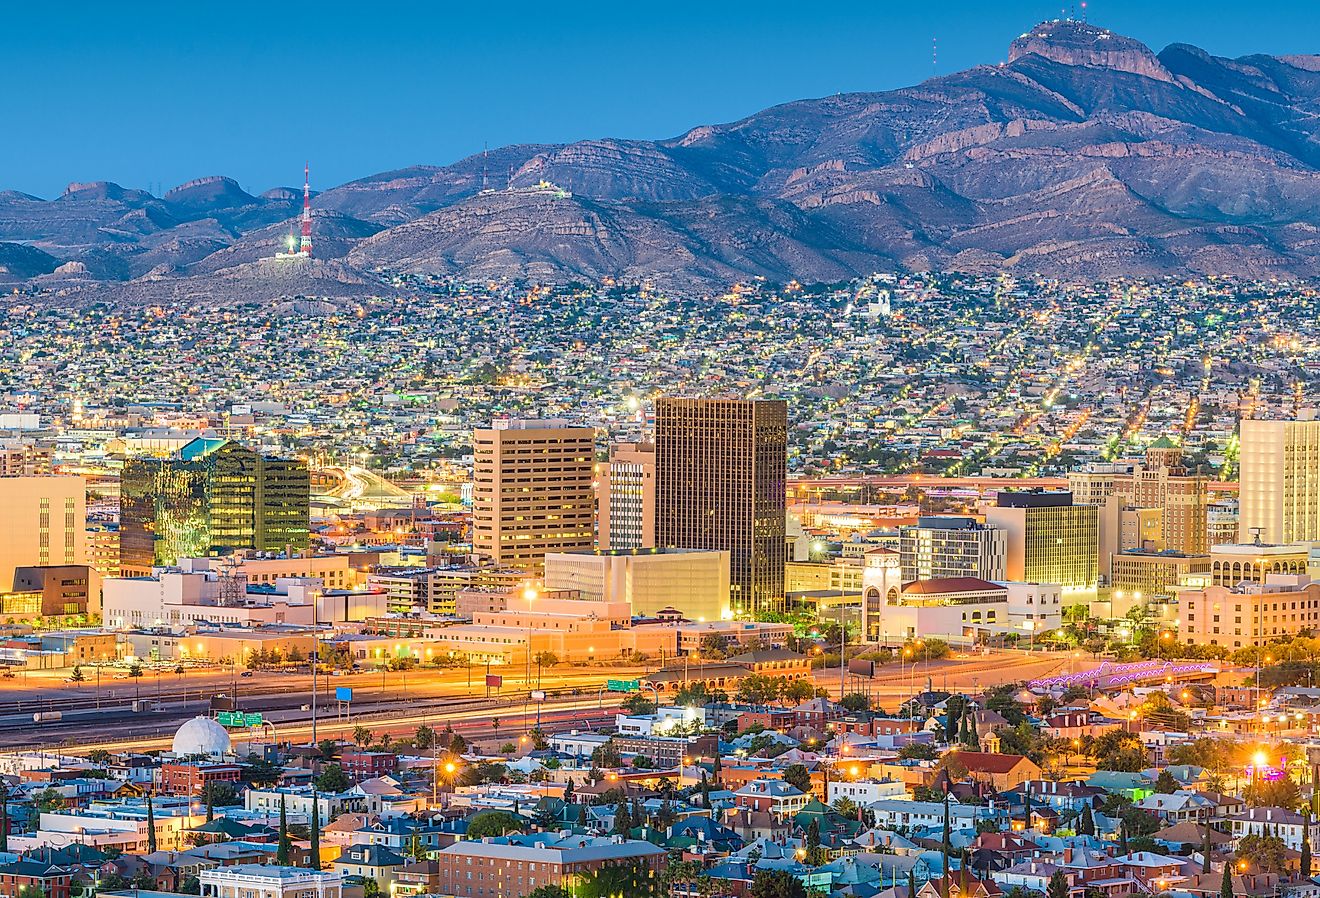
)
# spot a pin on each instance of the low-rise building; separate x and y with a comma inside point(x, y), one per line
point(269, 881)
point(518, 865)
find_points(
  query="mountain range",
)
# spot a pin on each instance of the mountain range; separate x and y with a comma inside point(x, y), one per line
point(1083, 155)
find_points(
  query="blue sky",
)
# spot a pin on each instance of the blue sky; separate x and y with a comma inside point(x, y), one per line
point(154, 93)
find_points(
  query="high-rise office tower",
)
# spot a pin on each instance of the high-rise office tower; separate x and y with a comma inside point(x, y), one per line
point(43, 522)
point(719, 484)
point(626, 497)
point(1159, 482)
point(211, 497)
point(947, 546)
point(1279, 492)
point(1162, 482)
point(532, 491)
point(1050, 540)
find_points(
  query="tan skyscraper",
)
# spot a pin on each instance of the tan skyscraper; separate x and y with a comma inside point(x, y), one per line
point(1280, 481)
point(720, 480)
point(532, 491)
point(43, 521)
point(626, 497)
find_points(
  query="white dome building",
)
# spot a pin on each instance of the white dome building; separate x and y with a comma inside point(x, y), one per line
point(201, 736)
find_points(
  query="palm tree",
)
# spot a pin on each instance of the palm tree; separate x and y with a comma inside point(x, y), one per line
point(135, 671)
point(361, 736)
point(544, 659)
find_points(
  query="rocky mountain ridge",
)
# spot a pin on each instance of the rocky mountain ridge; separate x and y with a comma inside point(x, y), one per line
point(1084, 155)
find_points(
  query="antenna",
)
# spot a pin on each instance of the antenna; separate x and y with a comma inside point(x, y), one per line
point(485, 152)
point(934, 55)
point(1083, 12)
point(305, 244)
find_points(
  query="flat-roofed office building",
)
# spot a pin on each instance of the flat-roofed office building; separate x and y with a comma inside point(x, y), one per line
point(533, 491)
point(721, 472)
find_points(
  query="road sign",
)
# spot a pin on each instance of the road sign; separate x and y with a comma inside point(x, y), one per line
point(240, 719)
point(623, 685)
point(538, 695)
point(343, 693)
point(494, 681)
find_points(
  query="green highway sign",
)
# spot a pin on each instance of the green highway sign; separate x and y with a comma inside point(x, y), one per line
point(623, 685)
point(240, 719)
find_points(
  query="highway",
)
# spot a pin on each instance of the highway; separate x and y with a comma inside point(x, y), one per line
point(404, 701)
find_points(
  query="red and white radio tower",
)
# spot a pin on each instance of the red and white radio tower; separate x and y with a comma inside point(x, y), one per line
point(305, 245)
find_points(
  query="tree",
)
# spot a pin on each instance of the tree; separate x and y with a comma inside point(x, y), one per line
point(632, 880)
point(623, 822)
point(371, 888)
point(333, 779)
point(284, 846)
point(1165, 784)
point(457, 745)
point(135, 671)
point(47, 801)
point(257, 771)
point(1306, 848)
point(638, 703)
point(1086, 822)
point(77, 676)
point(918, 751)
point(1268, 854)
point(31, 892)
point(1206, 848)
point(151, 826)
point(1118, 750)
point(424, 737)
point(361, 736)
point(1226, 884)
point(1002, 700)
point(549, 892)
point(797, 776)
point(220, 794)
point(1276, 793)
point(855, 702)
point(607, 755)
point(799, 691)
point(492, 823)
point(846, 806)
point(315, 834)
point(1058, 887)
point(760, 689)
point(777, 884)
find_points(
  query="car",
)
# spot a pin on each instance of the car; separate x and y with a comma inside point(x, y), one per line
point(246, 673)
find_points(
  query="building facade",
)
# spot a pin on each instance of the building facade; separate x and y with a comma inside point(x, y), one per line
point(691, 581)
point(947, 546)
point(1249, 613)
point(626, 489)
point(42, 523)
point(721, 472)
point(1279, 492)
point(1050, 539)
point(210, 498)
point(532, 491)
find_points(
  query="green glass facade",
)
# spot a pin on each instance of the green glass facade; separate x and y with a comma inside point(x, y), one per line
point(211, 498)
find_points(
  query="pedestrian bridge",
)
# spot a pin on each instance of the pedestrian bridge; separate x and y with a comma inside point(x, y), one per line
point(1111, 674)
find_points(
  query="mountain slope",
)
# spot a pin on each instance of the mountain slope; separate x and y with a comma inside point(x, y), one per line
point(1084, 155)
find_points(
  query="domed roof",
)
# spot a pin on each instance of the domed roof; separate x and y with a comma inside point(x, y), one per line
point(201, 736)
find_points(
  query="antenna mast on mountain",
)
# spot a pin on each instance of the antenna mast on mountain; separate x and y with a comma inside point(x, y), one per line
point(934, 55)
point(1083, 12)
point(305, 245)
point(485, 153)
